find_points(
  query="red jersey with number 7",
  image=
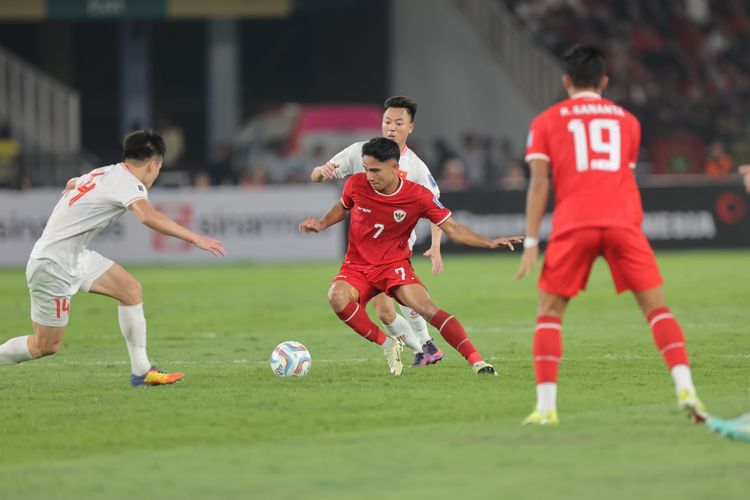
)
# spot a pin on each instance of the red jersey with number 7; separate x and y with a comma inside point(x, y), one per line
point(592, 145)
point(380, 224)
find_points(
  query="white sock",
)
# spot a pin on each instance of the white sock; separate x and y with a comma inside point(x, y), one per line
point(418, 325)
point(546, 397)
point(400, 329)
point(682, 378)
point(133, 328)
point(15, 351)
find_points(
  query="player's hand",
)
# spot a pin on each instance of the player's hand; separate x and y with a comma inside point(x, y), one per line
point(745, 171)
point(310, 225)
point(328, 171)
point(210, 245)
point(529, 258)
point(69, 186)
point(505, 242)
point(437, 261)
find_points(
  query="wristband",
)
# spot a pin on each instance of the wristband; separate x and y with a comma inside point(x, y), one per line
point(530, 242)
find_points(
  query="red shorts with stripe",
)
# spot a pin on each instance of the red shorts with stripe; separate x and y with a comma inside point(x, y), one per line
point(372, 280)
point(569, 257)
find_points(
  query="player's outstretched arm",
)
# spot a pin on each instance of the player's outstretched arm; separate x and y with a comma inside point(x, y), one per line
point(536, 203)
point(434, 251)
point(324, 172)
point(160, 222)
point(336, 214)
point(465, 236)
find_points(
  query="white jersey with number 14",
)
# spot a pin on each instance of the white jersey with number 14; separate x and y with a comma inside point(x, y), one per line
point(98, 199)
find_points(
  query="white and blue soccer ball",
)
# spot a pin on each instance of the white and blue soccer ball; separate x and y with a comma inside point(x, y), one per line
point(290, 359)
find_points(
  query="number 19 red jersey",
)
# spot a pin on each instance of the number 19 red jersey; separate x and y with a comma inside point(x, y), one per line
point(380, 224)
point(592, 145)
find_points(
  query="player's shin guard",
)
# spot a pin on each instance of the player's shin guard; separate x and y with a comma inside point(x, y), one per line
point(15, 351)
point(400, 329)
point(670, 341)
point(547, 349)
point(453, 333)
point(418, 324)
point(133, 328)
point(668, 337)
point(356, 317)
point(547, 355)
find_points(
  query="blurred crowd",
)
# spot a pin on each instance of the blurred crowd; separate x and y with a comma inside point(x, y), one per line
point(681, 66)
point(474, 161)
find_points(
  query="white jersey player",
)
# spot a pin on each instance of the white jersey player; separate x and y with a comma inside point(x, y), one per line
point(60, 263)
point(398, 124)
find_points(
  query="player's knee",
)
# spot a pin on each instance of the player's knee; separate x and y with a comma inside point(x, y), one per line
point(385, 313)
point(387, 317)
point(133, 293)
point(549, 309)
point(338, 299)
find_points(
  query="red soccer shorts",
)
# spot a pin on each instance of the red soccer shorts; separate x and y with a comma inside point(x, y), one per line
point(569, 257)
point(372, 280)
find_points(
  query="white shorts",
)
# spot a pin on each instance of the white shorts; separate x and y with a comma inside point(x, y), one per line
point(52, 288)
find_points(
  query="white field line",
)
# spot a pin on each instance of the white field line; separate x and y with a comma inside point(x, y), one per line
point(245, 361)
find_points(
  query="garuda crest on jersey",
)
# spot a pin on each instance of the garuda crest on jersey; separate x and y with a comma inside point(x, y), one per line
point(399, 215)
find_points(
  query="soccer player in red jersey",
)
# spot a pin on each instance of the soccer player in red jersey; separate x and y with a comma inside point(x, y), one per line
point(384, 210)
point(591, 145)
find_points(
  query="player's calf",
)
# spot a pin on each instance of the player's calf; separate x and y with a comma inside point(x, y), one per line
point(453, 332)
point(45, 342)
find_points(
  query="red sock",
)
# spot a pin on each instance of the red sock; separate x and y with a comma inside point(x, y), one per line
point(547, 348)
point(668, 337)
point(356, 317)
point(455, 335)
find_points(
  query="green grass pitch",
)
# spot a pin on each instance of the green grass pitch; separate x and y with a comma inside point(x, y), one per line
point(72, 427)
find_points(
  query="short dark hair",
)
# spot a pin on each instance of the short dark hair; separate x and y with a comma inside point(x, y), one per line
point(400, 101)
point(381, 149)
point(585, 65)
point(142, 145)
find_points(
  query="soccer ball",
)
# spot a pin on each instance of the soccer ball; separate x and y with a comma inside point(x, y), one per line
point(290, 359)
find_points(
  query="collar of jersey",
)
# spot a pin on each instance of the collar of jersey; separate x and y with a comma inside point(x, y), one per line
point(586, 94)
point(401, 184)
point(127, 171)
point(404, 150)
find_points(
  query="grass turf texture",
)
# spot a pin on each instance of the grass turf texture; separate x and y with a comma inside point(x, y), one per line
point(72, 427)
